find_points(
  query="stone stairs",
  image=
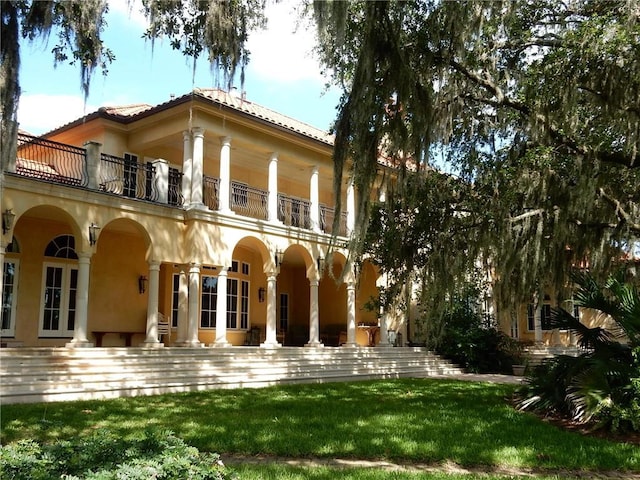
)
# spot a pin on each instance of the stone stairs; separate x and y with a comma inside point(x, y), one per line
point(29, 375)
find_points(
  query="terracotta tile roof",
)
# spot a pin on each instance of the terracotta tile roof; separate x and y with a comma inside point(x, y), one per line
point(240, 103)
point(126, 110)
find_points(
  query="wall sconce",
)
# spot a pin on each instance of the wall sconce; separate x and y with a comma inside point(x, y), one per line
point(142, 284)
point(7, 220)
point(261, 292)
point(93, 233)
point(278, 257)
point(320, 263)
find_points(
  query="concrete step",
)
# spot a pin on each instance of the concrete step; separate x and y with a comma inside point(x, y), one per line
point(41, 374)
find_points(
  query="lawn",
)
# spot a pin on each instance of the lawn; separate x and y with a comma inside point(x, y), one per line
point(426, 421)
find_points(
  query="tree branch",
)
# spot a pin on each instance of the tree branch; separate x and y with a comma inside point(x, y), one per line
point(621, 213)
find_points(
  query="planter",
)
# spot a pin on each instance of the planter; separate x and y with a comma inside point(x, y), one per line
point(518, 370)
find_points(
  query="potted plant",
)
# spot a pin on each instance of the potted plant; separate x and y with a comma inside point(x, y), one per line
point(515, 351)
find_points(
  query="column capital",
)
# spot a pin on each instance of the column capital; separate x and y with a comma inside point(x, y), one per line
point(225, 141)
point(186, 135)
point(273, 156)
point(154, 265)
point(198, 131)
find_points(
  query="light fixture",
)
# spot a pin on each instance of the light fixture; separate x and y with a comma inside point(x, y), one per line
point(93, 233)
point(320, 263)
point(278, 257)
point(261, 292)
point(142, 284)
point(7, 220)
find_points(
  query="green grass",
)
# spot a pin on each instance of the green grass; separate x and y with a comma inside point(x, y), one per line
point(280, 472)
point(428, 421)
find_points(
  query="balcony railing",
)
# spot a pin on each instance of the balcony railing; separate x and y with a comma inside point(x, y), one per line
point(51, 161)
point(327, 216)
point(212, 192)
point(249, 201)
point(128, 178)
point(294, 211)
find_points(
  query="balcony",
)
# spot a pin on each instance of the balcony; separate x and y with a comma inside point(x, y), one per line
point(48, 161)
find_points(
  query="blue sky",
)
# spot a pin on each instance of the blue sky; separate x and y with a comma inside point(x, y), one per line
point(282, 75)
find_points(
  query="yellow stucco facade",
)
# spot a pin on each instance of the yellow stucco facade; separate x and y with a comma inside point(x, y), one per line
point(155, 207)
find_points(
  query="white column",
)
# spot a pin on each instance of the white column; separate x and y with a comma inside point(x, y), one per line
point(351, 315)
point(221, 310)
point(225, 175)
point(351, 208)
point(93, 164)
point(537, 318)
point(273, 188)
point(314, 200)
point(271, 339)
point(152, 306)
point(384, 334)
point(82, 303)
point(194, 297)
point(187, 167)
point(197, 179)
point(183, 308)
point(162, 180)
point(314, 317)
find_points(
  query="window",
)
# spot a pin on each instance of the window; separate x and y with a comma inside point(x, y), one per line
point(130, 175)
point(59, 290)
point(209, 298)
point(545, 317)
point(232, 303)
point(284, 312)
point(244, 305)
point(9, 283)
point(175, 299)
point(515, 333)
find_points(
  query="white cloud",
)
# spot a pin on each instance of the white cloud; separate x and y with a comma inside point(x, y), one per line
point(283, 53)
point(40, 113)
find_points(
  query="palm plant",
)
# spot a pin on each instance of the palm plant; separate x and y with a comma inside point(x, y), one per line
point(602, 384)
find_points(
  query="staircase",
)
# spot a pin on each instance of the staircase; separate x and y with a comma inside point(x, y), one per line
point(29, 375)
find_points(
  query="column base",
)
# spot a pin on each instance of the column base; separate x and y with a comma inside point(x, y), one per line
point(384, 345)
point(196, 206)
point(221, 344)
point(270, 345)
point(152, 345)
point(349, 345)
point(79, 344)
point(190, 344)
point(314, 345)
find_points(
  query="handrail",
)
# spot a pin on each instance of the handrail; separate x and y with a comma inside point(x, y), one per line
point(327, 215)
point(249, 201)
point(51, 161)
point(127, 178)
point(294, 211)
point(211, 192)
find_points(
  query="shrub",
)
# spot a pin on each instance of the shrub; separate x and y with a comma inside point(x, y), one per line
point(103, 456)
point(601, 386)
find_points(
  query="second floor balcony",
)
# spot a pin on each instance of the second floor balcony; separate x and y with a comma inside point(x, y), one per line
point(158, 182)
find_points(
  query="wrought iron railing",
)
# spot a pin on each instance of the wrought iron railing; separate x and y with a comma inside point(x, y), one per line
point(51, 161)
point(294, 211)
point(249, 201)
point(128, 178)
point(327, 216)
point(211, 195)
point(176, 198)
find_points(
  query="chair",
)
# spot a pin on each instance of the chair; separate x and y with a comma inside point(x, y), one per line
point(252, 336)
point(163, 327)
